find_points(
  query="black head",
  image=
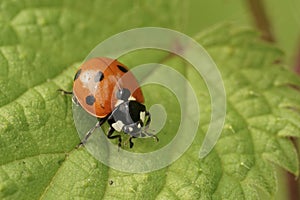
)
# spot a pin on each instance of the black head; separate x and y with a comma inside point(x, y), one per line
point(132, 118)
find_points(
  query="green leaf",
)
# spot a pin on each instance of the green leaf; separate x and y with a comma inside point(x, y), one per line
point(41, 41)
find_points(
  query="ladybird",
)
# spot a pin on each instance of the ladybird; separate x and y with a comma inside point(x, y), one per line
point(107, 90)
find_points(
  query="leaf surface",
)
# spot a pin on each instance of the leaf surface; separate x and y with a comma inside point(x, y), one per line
point(41, 41)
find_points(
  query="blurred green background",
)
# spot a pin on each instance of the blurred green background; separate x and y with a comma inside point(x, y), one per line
point(283, 16)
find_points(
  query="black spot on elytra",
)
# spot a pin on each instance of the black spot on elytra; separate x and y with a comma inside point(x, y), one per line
point(123, 69)
point(99, 76)
point(90, 100)
point(77, 74)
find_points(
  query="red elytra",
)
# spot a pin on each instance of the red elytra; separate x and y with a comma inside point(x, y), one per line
point(97, 81)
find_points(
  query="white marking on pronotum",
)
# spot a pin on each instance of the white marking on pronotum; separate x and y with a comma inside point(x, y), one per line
point(142, 116)
point(119, 102)
point(131, 98)
point(130, 129)
point(118, 125)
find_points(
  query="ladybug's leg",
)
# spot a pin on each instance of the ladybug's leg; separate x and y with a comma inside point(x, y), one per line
point(64, 92)
point(147, 126)
point(152, 135)
point(110, 136)
point(74, 100)
point(130, 141)
point(148, 115)
point(89, 133)
point(111, 130)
